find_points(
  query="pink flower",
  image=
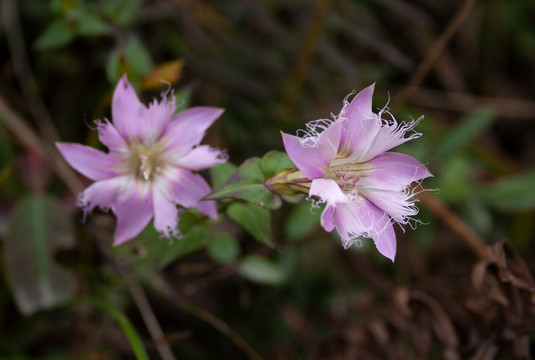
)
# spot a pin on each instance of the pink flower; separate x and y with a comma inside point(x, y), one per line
point(148, 169)
point(365, 188)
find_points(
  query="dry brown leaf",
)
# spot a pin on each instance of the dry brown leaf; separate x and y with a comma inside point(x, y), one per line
point(164, 74)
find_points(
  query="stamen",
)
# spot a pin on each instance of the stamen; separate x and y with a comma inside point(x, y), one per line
point(146, 166)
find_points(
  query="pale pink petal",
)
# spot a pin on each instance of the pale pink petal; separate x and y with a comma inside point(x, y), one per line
point(352, 221)
point(313, 154)
point(328, 191)
point(133, 209)
point(362, 218)
point(393, 171)
point(390, 135)
point(165, 211)
point(327, 218)
point(159, 114)
point(208, 207)
point(360, 108)
point(398, 204)
point(110, 137)
point(128, 113)
point(187, 128)
point(385, 241)
point(187, 189)
point(381, 231)
point(200, 158)
point(358, 144)
point(90, 162)
point(102, 193)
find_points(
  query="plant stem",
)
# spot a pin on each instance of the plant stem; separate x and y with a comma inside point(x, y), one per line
point(206, 316)
point(433, 55)
point(147, 314)
point(450, 218)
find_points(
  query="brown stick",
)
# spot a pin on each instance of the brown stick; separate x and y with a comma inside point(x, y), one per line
point(436, 206)
point(433, 55)
point(147, 314)
point(23, 71)
point(429, 200)
point(44, 146)
point(163, 288)
point(310, 43)
point(24, 133)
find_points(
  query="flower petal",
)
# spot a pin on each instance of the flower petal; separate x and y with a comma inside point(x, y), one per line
point(187, 128)
point(133, 209)
point(328, 190)
point(381, 231)
point(102, 194)
point(165, 211)
point(390, 135)
point(327, 218)
point(393, 171)
point(129, 114)
point(398, 204)
point(360, 108)
point(313, 154)
point(362, 218)
point(200, 158)
point(90, 162)
point(159, 114)
point(110, 137)
point(187, 189)
point(351, 221)
point(385, 241)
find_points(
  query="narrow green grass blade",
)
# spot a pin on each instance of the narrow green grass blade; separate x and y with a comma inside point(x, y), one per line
point(126, 325)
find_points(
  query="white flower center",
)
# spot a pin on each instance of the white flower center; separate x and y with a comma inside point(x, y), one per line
point(145, 161)
point(347, 176)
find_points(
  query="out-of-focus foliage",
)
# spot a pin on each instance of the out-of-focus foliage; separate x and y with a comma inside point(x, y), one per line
point(272, 65)
point(36, 229)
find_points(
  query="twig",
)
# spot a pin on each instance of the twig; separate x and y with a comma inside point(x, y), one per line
point(435, 205)
point(23, 71)
point(310, 44)
point(14, 121)
point(429, 200)
point(207, 317)
point(28, 138)
point(147, 314)
point(433, 55)
point(513, 108)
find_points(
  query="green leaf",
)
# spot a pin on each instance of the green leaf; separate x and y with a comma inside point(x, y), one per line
point(275, 161)
point(465, 131)
point(261, 270)
point(223, 248)
point(133, 60)
point(247, 183)
point(122, 11)
point(128, 328)
point(115, 67)
point(511, 193)
point(62, 6)
point(58, 33)
point(183, 100)
point(302, 220)
point(186, 244)
point(453, 182)
point(137, 57)
point(256, 220)
point(221, 173)
point(36, 229)
point(149, 252)
point(90, 23)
